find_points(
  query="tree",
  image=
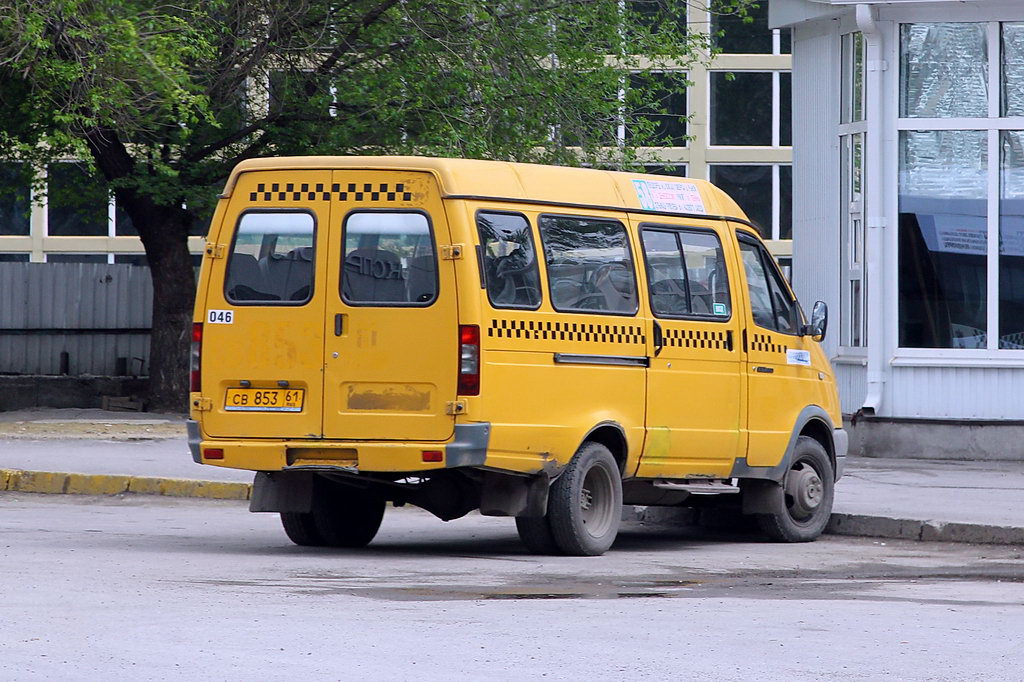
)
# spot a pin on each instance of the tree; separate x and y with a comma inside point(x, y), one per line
point(164, 99)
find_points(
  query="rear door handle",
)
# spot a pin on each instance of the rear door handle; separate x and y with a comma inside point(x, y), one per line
point(659, 339)
point(764, 370)
point(339, 323)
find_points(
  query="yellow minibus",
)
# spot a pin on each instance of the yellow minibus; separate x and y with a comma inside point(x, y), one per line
point(530, 341)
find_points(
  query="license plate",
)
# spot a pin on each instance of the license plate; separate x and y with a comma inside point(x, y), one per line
point(264, 399)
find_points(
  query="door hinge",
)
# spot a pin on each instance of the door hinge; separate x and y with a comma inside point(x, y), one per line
point(451, 251)
point(215, 250)
point(455, 407)
point(202, 404)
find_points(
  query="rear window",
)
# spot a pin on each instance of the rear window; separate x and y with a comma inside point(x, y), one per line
point(272, 259)
point(509, 260)
point(389, 259)
point(589, 265)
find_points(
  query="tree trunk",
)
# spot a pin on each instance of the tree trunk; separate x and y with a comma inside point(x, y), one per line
point(164, 233)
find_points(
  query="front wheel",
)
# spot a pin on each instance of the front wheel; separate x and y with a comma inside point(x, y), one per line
point(804, 508)
point(585, 503)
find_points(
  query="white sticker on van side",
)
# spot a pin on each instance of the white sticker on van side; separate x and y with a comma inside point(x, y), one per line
point(220, 316)
point(671, 197)
point(798, 357)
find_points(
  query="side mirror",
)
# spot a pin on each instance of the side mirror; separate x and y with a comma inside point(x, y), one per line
point(819, 322)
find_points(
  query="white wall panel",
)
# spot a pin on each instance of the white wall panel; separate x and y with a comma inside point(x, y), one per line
point(956, 392)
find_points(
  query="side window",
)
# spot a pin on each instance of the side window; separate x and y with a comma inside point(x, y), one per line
point(589, 265)
point(271, 259)
point(770, 303)
point(389, 259)
point(509, 260)
point(687, 273)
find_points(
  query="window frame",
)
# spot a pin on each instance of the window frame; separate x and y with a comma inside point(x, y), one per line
point(676, 230)
point(629, 252)
point(377, 304)
point(775, 113)
point(481, 255)
point(769, 265)
point(231, 255)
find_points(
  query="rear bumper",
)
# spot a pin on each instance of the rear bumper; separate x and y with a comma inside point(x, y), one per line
point(467, 448)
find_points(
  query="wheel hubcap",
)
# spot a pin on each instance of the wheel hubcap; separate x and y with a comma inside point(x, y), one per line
point(804, 490)
point(596, 507)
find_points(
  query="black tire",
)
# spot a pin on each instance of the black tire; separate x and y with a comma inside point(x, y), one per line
point(341, 516)
point(536, 534)
point(585, 503)
point(805, 504)
point(301, 529)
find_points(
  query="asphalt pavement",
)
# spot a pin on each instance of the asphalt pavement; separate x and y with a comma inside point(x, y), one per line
point(944, 500)
point(154, 588)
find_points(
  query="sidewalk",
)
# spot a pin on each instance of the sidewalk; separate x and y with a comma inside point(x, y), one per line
point(96, 452)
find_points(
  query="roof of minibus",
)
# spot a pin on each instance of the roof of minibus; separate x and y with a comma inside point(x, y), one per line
point(515, 181)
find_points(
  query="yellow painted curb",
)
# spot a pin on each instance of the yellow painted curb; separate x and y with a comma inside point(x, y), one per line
point(49, 482)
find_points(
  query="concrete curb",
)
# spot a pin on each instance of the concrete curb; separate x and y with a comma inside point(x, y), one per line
point(859, 525)
point(924, 531)
point(16, 480)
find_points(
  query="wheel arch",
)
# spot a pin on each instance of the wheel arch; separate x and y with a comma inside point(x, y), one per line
point(814, 422)
point(611, 435)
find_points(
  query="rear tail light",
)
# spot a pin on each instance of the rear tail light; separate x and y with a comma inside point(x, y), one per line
point(195, 384)
point(469, 359)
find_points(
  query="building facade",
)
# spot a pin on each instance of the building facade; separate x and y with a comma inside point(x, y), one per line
point(909, 215)
point(739, 137)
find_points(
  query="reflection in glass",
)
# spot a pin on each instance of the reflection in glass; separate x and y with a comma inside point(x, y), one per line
point(509, 260)
point(943, 70)
point(751, 188)
point(740, 36)
point(15, 199)
point(1013, 69)
point(852, 78)
point(589, 265)
point(664, 107)
point(785, 202)
point(741, 108)
point(943, 239)
point(1011, 242)
point(389, 259)
point(76, 201)
point(271, 259)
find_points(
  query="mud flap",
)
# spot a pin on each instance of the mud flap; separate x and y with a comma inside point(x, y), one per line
point(277, 491)
point(761, 496)
point(504, 495)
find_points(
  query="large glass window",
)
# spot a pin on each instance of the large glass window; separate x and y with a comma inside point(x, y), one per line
point(664, 110)
point(943, 238)
point(509, 260)
point(943, 70)
point(764, 192)
point(686, 273)
point(961, 225)
point(1011, 242)
point(272, 259)
point(15, 200)
point(389, 259)
point(741, 108)
point(589, 265)
point(748, 35)
point(77, 202)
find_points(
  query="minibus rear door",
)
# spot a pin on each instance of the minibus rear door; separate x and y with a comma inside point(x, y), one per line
point(391, 350)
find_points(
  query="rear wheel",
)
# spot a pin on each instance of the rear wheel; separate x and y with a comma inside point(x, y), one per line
point(536, 534)
point(340, 517)
point(805, 505)
point(585, 503)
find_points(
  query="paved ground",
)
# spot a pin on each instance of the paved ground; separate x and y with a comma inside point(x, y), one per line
point(154, 588)
point(899, 498)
